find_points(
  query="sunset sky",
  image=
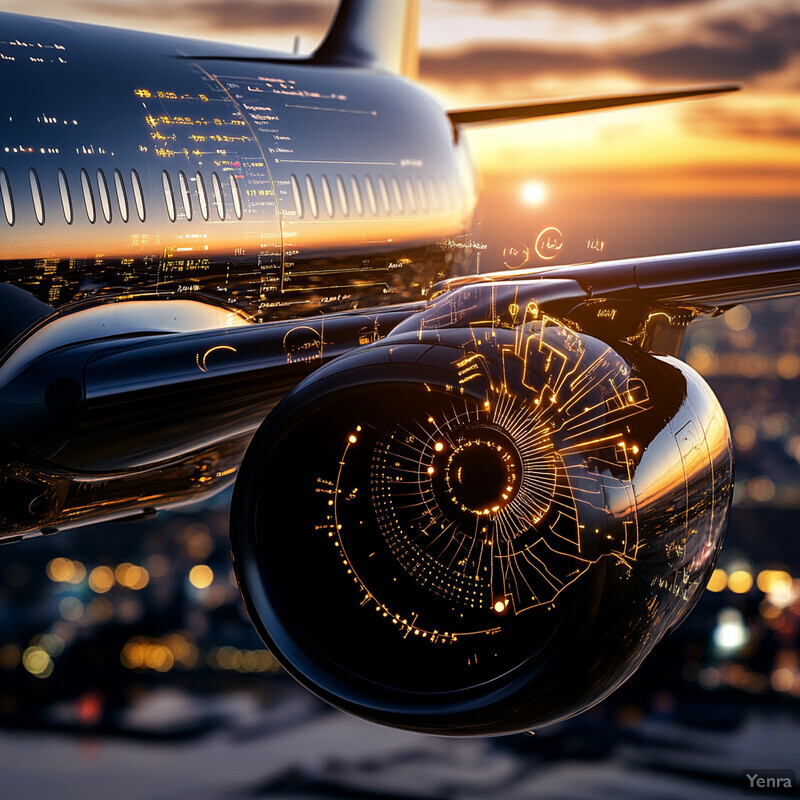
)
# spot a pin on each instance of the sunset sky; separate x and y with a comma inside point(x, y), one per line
point(743, 147)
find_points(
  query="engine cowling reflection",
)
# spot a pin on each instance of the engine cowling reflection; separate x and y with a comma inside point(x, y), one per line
point(482, 531)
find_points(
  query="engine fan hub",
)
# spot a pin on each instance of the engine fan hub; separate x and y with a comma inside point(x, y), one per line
point(482, 474)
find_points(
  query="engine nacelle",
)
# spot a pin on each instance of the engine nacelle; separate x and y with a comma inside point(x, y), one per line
point(480, 531)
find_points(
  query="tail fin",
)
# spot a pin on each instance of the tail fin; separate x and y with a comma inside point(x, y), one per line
point(381, 34)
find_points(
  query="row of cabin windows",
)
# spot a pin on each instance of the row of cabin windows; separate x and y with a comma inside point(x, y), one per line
point(103, 194)
point(185, 194)
point(392, 196)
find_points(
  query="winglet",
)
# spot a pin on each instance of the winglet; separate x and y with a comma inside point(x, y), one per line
point(572, 105)
point(378, 34)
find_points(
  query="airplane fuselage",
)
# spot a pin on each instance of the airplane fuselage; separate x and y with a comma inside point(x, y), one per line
point(133, 164)
point(157, 196)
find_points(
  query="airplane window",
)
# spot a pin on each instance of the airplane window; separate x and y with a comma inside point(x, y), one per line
point(66, 200)
point(298, 197)
point(219, 198)
point(138, 195)
point(312, 197)
point(435, 201)
point(342, 190)
point(357, 198)
point(88, 196)
point(237, 197)
point(122, 197)
point(371, 199)
point(447, 198)
point(423, 195)
point(102, 190)
point(169, 198)
point(36, 196)
point(8, 201)
point(398, 195)
point(327, 196)
point(384, 190)
point(201, 195)
point(412, 199)
point(186, 197)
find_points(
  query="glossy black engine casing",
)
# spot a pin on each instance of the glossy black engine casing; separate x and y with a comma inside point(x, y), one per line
point(656, 503)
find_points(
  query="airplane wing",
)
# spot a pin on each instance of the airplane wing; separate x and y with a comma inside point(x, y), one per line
point(571, 105)
point(706, 279)
point(649, 301)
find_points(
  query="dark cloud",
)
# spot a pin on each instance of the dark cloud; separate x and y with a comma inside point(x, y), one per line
point(600, 6)
point(223, 16)
point(738, 55)
point(486, 64)
point(695, 62)
point(241, 15)
point(741, 54)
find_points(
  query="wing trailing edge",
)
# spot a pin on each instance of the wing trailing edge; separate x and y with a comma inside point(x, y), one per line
point(572, 105)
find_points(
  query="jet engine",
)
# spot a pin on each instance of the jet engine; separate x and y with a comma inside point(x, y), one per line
point(482, 529)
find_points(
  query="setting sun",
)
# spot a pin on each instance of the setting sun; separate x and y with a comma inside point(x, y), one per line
point(534, 193)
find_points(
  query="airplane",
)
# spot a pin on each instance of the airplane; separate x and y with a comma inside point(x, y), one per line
point(465, 503)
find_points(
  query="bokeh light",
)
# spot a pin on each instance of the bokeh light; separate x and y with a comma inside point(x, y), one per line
point(201, 576)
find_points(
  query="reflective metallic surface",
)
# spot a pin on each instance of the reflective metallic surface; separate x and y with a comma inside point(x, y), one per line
point(138, 163)
point(106, 427)
point(497, 526)
point(651, 301)
point(483, 498)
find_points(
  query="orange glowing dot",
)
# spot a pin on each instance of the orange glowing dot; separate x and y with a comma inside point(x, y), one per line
point(60, 570)
point(635, 449)
point(718, 580)
point(500, 606)
point(740, 581)
point(201, 576)
point(353, 439)
point(438, 447)
point(101, 579)
point(430, 470)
